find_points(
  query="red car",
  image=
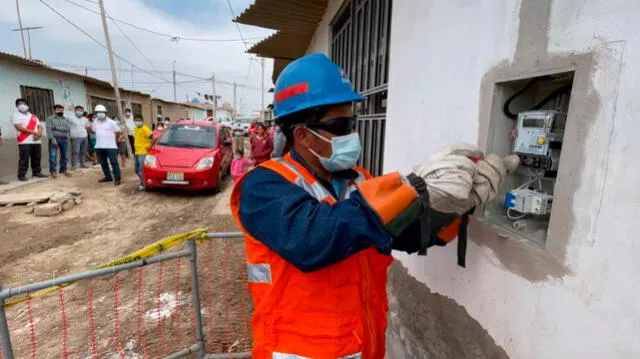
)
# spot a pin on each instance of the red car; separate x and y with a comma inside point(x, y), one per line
point(192, 155)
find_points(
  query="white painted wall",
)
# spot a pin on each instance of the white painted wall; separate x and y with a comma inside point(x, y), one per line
point(67, 90)
point(440, 52)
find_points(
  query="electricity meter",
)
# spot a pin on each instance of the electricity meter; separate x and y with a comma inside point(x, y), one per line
point(539, 138)
point(536, 130)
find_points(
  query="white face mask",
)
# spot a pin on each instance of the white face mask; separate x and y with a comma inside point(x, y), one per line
point(23, 108)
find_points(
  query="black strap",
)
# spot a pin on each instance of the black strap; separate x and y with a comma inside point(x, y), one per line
point(462, 238)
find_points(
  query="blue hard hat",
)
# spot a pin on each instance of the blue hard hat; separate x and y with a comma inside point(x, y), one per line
point(311, 81)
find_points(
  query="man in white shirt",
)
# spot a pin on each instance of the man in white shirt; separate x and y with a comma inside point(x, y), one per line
point(79, 139)
point(129, 123)
point(29, 145)
point(106, 130)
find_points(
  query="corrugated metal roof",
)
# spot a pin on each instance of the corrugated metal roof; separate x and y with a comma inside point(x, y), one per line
point(296, 22)
point(43, 66)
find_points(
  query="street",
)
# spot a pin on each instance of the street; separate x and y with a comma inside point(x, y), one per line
point(111, 222)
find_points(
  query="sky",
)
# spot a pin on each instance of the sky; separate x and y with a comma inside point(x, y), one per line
point(62, 45)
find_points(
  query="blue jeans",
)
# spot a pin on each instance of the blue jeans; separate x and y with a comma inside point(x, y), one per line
point(139, 166)
point(108, 156)
point(63, 148)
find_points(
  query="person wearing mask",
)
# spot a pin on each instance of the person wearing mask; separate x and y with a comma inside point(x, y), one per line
point(59, 131)
point(91, 151)
point(167, 122)
point(261, 144)
point(129, 123)
point(158, 121)
point(143, 142)
point(29, 140)
point(121, 142)
point(279, 142)
point(158, 131)
point(79, 142)
point(319, 230)
point(106, 131)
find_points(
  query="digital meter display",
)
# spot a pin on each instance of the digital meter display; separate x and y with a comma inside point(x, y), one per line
point(532, 122)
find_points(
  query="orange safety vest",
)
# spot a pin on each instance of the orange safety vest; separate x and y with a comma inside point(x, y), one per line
point(336, 312)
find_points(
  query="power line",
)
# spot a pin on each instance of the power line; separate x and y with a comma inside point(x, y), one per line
point(161, 33)
point(237, 26)
point(96, 41)
point(133, 44)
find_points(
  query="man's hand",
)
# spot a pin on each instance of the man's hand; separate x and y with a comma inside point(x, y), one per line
point(54, 143)
point(491, 173)
point(460, 177)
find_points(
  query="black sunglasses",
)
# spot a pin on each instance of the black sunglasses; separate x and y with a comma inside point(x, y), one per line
point(338, 126)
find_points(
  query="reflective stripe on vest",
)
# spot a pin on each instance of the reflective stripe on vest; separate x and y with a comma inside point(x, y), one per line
point(293, 356)
point(259, 273)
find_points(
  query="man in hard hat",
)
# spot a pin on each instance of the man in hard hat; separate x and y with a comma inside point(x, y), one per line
point(319, 231)
point(106, 131)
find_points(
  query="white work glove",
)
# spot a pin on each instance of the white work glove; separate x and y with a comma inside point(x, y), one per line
point(491, 173)
point(449, 175)
point(456, 184)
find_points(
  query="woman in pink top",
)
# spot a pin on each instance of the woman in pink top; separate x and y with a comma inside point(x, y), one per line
point(239, 165)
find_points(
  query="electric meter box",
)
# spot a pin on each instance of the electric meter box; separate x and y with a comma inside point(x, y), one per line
point(528, 119)
point(535, 131)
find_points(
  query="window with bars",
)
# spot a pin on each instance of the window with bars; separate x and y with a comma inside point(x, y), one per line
point(40, 101)
point(360, 44)
point(112, 108)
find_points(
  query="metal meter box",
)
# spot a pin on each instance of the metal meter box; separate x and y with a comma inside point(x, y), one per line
point(535, 131)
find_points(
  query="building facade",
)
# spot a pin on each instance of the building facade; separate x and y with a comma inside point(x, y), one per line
point(102, 94)
point(43, 87)
point(556, 286)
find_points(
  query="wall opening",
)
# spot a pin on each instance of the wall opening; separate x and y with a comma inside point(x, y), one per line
point(528, 118)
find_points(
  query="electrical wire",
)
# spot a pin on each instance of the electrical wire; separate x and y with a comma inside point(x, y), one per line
point(161, 33)
point(233, 14)
point(133, 44)
point(96, 41)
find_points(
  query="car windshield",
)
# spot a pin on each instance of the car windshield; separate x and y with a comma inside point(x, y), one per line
point(189, 136)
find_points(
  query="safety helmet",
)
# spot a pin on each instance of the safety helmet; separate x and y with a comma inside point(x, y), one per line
point(311, 81)
point(100, 108)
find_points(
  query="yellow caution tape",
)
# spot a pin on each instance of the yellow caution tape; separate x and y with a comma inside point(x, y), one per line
point(146, 252)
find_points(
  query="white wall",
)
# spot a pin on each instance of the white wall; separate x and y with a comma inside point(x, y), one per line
point(67, 91)
point(439, 54)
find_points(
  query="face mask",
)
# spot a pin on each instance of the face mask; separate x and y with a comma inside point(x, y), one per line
point(101, 116)
point(79, 113)
point(237, 157)
point(345, 152)
point(59, 114)
point(23, 108)
point(127, 114)
point(138, 123)
point(166, 123)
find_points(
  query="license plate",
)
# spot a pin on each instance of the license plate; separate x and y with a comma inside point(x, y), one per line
point(175, 176)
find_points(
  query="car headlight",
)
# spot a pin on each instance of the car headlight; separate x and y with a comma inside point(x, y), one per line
point(205, 163)
point(150, 161)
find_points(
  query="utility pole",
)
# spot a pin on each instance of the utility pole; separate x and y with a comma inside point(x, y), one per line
point(112, 63)
point(132, 83)
point(215, 98)
point(262, 111)
point(235, 87)
point(175, 98)
point(28, 30)
point(24, 46)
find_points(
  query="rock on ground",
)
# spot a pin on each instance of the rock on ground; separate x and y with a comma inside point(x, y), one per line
point(48, 209)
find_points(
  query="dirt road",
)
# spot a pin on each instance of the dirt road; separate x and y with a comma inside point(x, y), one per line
point(111, 222)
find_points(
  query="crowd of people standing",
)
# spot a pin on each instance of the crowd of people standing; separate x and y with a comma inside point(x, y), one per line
point(82, 137)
